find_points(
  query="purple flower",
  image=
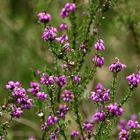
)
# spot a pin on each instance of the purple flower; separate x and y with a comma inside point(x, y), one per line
point(123, 135)
point(133, 79)
point(88, 127)
point(51, 80)
point(61, 81)
point(123, 124)
point(19, 98)
point(63, 39)
point(67, 96)
point(132, 124)
point(68, 8)
point(115, 110)
point(52, 120)
point(100, 94)
point(53, 136)
point(117, 66)
point(47, 80)
point(16, 112)
point(44, 17)
point(11, 85)
point(75, 134)
point(77, 79)
point(49, 34)
point(83, 48)
point(99, 116)
point(19, 92)
point(66, 47)
point(35, 88)
point(44, 79)
point(19, 95)
point(44, 126)
point(41, 96)
point(98, 60)
point(63, 27)
point(27, 104)
point(99, 46)
point(63, 109)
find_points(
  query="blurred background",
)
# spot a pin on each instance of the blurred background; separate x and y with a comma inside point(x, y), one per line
point(22, 50)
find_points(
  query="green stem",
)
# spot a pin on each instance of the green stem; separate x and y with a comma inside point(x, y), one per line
point(78, 117)
point(74, 26)
point(43, 135)
point(73, 22)
point(92, 17)
point(114, 86)
point(52, 103)
point(129, 94)
point(62, 132)
point(5, 127)
point(98, 135)
point(53, 110)
point(58, 97)
point(42, 121)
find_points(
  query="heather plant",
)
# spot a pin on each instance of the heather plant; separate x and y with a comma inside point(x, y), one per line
point(57, 92)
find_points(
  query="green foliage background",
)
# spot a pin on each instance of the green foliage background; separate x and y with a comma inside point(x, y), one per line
point(22, 50)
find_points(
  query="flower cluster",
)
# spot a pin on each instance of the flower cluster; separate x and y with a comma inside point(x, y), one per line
point(61, 81)
point(63, 27)
point(99, 46)
point(51, 121)
point(117, 66)
point(68, 8)
point(114, 109)
point(16, 112)
point(49, 34)
point(51, 80)
point(98, 116)
point(88, 127)
point(47, 80)
point(75, 134)
point(134, 79)
point(20, 99)
point(35, 88)
point(133, 124)
point(124, 135)
point(11, 85)
point(98, 59)
point(67, 96)
point(83, 48)
point(63, 39)
point(44, 17)
point(63, 109)
point(41, 96)
point(77, 79)
point(36, 91)
point(127, 126)
point(100, 94)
